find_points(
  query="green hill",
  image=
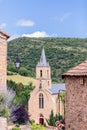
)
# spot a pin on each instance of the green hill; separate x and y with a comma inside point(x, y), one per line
point(61, 53)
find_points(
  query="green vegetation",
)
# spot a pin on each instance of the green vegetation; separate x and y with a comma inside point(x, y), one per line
point(37, 127)
point(21, 79)
point(16, 128)
point(5, 103)
point(53, 118)
point(22, 92)
point(23, 71)
point(61, 53)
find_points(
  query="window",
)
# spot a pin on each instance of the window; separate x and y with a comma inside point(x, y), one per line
point(47, 73)
point(40, 73)
point(81, 81)
point(40, 86)
point(48, 83)
point(41, 100)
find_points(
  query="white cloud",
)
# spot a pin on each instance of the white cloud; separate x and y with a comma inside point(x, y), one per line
point(2, 25)
point(65, 16)
point(27, 23)
point(36, 34)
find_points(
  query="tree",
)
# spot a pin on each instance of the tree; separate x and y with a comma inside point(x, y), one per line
point(53, 118)
point(19, 114)
point(22, 92)
point(23, 71)
point(62, 97)
point(11, 68)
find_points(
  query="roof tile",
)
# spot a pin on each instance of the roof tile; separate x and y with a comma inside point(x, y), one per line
point(79, 70)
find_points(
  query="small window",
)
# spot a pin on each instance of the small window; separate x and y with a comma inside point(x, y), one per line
point(40, 86)
point(40, 73)
point(48, 83)
point(41, 100)
point(81, 81)
point(47, 73)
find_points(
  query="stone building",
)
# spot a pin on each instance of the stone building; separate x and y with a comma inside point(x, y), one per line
point(43, 98)
point(3, 60)
point(76, 97)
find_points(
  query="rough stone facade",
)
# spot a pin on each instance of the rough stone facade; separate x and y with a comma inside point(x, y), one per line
point(3, 61)
point(76, 97)
point(76, 104)
point(3, 123)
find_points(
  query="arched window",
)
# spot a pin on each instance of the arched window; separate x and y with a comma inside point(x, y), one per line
point(40, 85)
point(41, 100)
point(48, 73)
point(40, 73)
point(48, 83)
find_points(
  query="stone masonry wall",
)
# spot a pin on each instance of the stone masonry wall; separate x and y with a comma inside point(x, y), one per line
point(3, 123)
point(76, 103)
point(46, 77)
point(49, 104)
point(3, 64)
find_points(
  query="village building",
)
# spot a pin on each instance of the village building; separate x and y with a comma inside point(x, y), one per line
point(76, 97)
point(43, 98)
point(3, 61)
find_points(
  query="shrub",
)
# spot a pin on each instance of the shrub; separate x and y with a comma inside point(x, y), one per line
point(11, 68)
point(16, 128)
point(5, 103)
point(23, 71)
point(37, 127)
point(19, 114)
point(53, 118)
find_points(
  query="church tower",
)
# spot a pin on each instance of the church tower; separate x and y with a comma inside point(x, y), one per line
point(3, 61)
point(43, 73)
point(43, 97)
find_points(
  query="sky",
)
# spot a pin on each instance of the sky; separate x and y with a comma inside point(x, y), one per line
point(44, 18)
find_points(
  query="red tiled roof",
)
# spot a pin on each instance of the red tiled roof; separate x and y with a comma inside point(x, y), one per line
point(5, 34)
point(79, 70)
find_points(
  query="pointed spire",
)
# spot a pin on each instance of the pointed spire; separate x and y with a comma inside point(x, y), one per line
point(43, 61)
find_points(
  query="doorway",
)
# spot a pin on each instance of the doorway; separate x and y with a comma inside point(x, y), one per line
point(41, 119)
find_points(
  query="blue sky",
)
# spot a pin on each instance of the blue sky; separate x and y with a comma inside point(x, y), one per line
point(44, 18)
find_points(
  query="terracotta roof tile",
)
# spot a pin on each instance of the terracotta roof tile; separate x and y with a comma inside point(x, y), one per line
point(5, 34)
point(79, 70)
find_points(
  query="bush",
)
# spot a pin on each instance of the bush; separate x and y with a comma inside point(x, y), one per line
point(23, 71)
point(11, 68)
point(16, 128)
point(5, 103)
point(19, 114)
point(37, 127)
point(22, 92)
point(53, 118)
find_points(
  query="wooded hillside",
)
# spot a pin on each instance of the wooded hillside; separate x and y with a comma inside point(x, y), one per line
point(62, 53)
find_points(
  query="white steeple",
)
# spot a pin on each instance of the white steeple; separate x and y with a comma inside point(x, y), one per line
point(43, 61)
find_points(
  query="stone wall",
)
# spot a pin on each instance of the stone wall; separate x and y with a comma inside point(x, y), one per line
point(49, 104)
point(3, 61)
point(3, 123)
point(45, 80)
point(76, 103)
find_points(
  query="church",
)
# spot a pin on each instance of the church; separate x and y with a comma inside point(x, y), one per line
point(43, 98)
